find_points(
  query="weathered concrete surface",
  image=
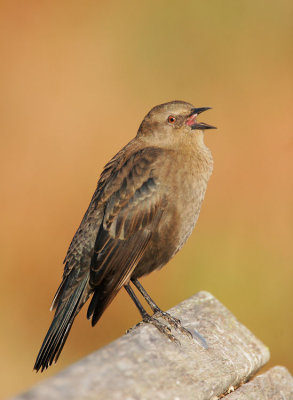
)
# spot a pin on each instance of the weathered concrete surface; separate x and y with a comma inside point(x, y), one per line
point(275, 384)
point(143, 364)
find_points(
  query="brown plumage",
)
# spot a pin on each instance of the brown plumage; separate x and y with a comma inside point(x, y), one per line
point(145, 206)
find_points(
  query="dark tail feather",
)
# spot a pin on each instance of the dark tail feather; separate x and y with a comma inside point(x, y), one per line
point(60, 328)
point(98, 304)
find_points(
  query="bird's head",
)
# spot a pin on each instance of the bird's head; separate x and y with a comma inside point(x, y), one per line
point(174, 119)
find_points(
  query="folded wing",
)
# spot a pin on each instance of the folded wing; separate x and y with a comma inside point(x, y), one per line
point(134, 203)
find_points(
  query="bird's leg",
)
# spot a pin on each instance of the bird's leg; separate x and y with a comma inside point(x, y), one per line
point(175, 322)
point(148, 318)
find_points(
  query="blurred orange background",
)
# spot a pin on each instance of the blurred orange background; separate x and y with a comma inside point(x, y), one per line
point(76, 80)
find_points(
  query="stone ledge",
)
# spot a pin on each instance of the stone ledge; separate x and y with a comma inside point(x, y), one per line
point(275, 384)
point(143, 364)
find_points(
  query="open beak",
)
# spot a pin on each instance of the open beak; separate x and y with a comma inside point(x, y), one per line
point(192, 122)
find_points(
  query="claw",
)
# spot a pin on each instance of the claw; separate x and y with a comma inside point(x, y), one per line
point(175, 322)
point(164, 329)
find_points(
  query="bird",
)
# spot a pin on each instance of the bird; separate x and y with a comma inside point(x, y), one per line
point(145, 206)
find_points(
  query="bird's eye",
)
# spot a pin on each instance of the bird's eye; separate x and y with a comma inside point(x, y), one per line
point(171, 119)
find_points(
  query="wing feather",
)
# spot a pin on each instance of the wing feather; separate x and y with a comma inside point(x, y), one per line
point(131, 215)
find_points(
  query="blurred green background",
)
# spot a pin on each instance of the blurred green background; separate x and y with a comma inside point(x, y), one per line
point(77, 77)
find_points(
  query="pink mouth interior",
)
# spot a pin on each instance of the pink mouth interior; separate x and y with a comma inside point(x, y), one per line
point(191, 120)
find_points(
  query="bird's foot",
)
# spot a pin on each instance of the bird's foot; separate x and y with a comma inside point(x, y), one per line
point(175, 322)
point(164, 329)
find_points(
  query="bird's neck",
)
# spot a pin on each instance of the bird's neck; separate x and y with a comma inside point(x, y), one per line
point(189, 140)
